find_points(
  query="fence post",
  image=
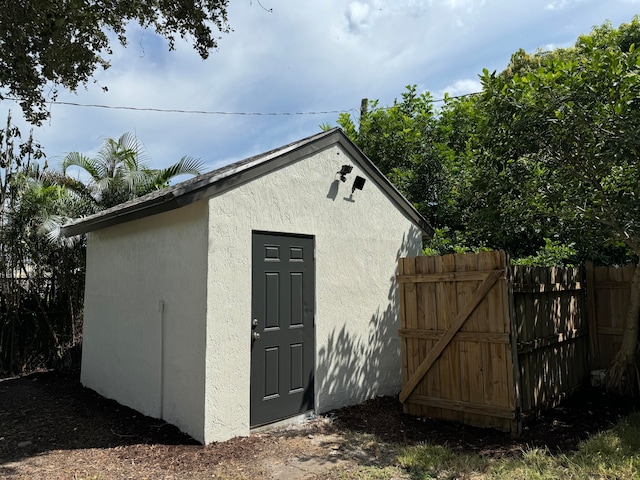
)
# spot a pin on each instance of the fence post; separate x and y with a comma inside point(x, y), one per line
point(510, 310)
point(592, 318)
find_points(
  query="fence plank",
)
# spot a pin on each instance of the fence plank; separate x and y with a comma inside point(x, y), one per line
point(471, 379)
point(460, 336)
point(465, 407)
point(436, 376)
point(448, 311)
point(464, 276)
point(546, 287)
point(423, 322)
point(497, 389)
point(431, 384)
point(412, 323)
point(403, 324)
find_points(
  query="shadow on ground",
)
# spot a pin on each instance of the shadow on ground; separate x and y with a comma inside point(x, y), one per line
point(48, 412)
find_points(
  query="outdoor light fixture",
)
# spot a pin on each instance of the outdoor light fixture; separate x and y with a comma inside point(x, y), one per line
point(344, 171)
point(358, 183)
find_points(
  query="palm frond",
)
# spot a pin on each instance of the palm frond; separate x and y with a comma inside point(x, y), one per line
point(120, 171)
point(128, 142)
point(138, 180)
point(185, 166)
point(90, 165)
point(50, 228)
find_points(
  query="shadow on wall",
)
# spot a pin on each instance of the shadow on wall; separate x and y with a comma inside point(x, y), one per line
point(356, 366)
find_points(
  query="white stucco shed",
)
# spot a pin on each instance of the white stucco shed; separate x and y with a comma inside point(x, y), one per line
point(253, 293)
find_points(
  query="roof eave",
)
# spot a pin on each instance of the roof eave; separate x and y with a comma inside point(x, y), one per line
point(210, 186)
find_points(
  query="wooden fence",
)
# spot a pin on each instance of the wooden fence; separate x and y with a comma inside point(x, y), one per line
point(607, 301)
point(489, 345)
point(550, 327)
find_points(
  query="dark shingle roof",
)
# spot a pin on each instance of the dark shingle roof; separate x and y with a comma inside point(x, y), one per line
point(225, 178)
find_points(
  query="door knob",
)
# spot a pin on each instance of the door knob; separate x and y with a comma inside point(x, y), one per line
point(255, 335)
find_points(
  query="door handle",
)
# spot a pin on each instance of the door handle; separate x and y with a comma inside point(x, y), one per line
point(255, 335)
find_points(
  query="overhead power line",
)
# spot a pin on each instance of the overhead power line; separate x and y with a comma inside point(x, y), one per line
point(213, 112)
point(200, 112)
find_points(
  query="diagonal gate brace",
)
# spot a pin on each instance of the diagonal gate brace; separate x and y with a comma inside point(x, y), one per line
point(439, 347)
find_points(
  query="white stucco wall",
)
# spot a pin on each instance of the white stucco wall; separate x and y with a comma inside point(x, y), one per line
point(357, 243)
point(144, 327)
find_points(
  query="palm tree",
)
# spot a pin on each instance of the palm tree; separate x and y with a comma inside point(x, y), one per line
point(42, 271)
point(43, 202)
point(120, 171)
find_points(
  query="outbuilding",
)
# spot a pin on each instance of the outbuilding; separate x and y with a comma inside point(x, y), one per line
point(258, 292)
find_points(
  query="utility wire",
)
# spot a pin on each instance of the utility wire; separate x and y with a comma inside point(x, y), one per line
point(200, 112)
point(209, 112)
point(464, 95)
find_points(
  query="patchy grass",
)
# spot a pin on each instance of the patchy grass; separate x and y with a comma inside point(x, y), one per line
point(438, 461)
point(611, 454)
point(535, 464)
point(362, 473)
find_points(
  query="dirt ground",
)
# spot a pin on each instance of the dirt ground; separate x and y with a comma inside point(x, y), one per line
point(53, 428)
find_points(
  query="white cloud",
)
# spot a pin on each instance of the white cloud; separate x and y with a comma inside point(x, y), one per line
point(305, 56)
point(358, 16)
point(558, 5)
point(561, 4)
point(464, 5)
point(459, 87)
point(554, 46)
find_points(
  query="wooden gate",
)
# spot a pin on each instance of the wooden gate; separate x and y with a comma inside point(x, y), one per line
point(487, 344)
point(456, 345)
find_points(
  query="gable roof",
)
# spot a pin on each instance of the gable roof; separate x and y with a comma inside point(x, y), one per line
point(225, 178)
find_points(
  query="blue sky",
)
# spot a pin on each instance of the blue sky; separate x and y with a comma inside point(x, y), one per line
point(303, 57)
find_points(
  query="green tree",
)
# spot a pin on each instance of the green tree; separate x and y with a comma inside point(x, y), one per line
point(569, 127)
point(47, 278)
point(48, 44)
point(42, 280)
point(459, 201)
point(399, 140)
point(121, 171)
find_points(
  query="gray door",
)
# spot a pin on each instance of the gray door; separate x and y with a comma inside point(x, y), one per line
point(282, 345)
